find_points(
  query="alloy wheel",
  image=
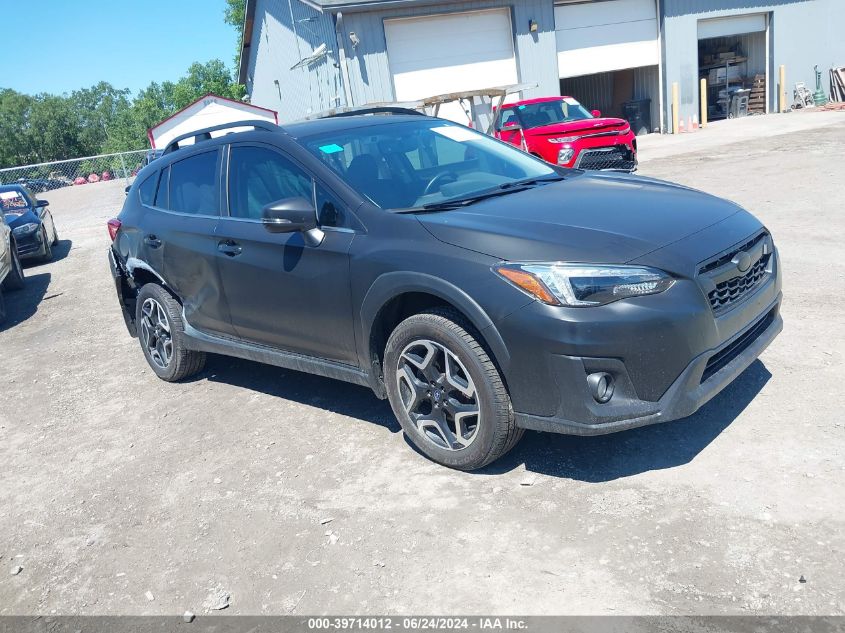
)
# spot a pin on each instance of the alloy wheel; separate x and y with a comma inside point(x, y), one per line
point(155, 333)
point(438, 395)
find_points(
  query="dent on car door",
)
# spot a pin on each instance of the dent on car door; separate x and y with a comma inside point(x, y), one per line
point(178, 238)
point(281, 291)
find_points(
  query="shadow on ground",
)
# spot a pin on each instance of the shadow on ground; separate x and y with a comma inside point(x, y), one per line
point(22, 304)
point(60, 251)
point(336, 396)
point(618, 455)
point(589, 459)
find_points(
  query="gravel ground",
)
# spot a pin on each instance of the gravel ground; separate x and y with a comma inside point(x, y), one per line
point(121, 494)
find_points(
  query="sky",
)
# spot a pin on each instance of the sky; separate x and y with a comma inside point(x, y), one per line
point(58, 46)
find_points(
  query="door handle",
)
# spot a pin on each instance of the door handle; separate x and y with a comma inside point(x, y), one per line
point(230, 248)
point(152, 241)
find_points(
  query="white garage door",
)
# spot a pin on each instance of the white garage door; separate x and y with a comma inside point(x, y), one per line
point(440, 54)
point(597, 37)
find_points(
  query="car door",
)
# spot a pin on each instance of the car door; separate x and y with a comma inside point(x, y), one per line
point(507, 126)
point(281, 291)
point(5, 248)
point(178, 239)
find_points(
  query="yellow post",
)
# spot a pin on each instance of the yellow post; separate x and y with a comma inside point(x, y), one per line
point(703, 92)
point(782, 90)
point(675, 106)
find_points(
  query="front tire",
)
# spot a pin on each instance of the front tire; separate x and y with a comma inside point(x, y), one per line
point(447, 393)
point(159, 320)
point(14, 280)
point(48, 247)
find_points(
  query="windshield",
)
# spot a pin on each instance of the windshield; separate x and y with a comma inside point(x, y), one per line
point(408, 164)
point(550, 112)
point(13, 201)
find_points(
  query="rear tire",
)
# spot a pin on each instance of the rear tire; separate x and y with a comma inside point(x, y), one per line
point(158, 317)
point(14, 280)
point(446, 391)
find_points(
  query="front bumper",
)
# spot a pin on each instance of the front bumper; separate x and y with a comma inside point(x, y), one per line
point(31, 245)
point(685, 396)
point(668, 354)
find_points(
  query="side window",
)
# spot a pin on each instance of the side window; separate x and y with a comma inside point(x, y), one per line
point(329, 208)
point(193, 184)
point(160, 199)
point(259, 176)
point(147, 190)
point(507, 116)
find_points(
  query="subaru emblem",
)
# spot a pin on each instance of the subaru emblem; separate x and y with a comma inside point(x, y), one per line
point(742, 261)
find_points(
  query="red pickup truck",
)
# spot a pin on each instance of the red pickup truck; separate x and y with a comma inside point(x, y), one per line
point(561, 131)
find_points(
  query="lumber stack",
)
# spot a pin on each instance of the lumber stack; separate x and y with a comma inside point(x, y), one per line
point(837, 84)
point(757, 98)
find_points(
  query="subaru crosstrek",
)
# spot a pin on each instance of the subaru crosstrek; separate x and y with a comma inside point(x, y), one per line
point(479, 289)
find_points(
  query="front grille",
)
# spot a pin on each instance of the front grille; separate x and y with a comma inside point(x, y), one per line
point(618, 157)
point(730, 352)
point(724, 259)
point(729, 292)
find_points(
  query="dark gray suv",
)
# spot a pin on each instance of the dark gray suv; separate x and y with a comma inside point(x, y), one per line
point(481, 290)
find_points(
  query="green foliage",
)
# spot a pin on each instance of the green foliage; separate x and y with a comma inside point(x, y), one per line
point(234, 15)
point(100, 119)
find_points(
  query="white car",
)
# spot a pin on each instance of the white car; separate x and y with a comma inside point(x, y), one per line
point(11, 272)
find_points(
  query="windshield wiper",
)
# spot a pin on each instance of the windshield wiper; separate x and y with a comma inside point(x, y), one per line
point(499, 190)
point(532, 181)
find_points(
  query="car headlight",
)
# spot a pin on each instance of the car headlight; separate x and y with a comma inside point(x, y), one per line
point(564, 139)
point(25, 229)
point(563, 284)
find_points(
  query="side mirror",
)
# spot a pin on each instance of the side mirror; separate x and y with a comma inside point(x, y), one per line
point(512, 126)
point(41, 203)
point(293, 215)
point(596, 113)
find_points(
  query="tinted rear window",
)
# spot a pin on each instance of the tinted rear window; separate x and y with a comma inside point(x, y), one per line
point(193, 184)
point(147, 189)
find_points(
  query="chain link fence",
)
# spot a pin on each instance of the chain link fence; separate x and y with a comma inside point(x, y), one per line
point(77, 171)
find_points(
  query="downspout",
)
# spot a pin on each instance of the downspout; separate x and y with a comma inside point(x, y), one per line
point(341, 58)
point(661, 59)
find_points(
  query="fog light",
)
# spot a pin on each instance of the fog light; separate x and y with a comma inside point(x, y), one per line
point(564, 156)
point(601, 386)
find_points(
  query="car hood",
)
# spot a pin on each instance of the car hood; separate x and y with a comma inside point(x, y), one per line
point(578, 128)
point(588, 217)
point(16, 219)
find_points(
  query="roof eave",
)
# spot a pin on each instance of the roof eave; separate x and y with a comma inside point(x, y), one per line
point(246, 40)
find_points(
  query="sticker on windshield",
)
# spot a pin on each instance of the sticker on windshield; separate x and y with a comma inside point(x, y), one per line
point(455, 132)
point(12, 200)
point(334, 148)
point(570, 101)
point(522, 107)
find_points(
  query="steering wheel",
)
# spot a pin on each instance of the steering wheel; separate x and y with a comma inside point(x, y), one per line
point(435, 183)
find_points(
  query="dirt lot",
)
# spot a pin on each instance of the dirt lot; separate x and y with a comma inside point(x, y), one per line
point(114, 484)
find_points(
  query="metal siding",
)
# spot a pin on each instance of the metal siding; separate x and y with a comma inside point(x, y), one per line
point(278, 45)
point(536, 54)
point(802, 33)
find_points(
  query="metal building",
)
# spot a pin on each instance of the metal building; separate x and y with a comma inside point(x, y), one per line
point(304, 56)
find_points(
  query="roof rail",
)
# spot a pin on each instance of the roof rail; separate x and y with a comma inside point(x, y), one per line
point(205, 133)
point(371, 109)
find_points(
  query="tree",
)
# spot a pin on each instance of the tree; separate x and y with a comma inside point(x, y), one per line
point(99, 119)
point(234, 15)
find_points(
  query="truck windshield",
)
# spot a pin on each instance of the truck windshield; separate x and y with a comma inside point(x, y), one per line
point(550, 112)
point(406, 164)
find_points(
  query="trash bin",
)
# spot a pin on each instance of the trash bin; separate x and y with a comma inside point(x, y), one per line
point(638, 114)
